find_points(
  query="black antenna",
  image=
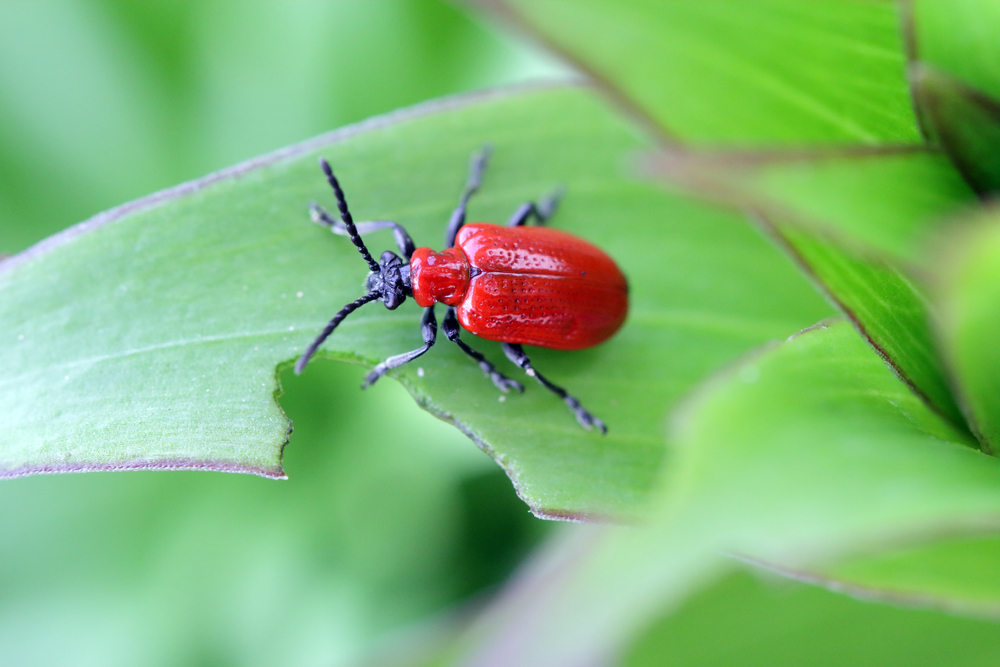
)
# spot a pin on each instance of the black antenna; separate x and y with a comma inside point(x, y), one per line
point(345, 215)
point(337, 319)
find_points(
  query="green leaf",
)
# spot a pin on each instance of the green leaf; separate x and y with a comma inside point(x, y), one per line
point(820, 420)
point(967, 296)
point(775, 621)
point(850, 222)
point(857, 221)
point(959, 37)
point(954, 574)
point(887, 306)
point(153, 105)
point(149, 337)
point(965, 122)
point(955, 76)
point(741, 73)
point(878, 201)
point(778, 623)
point(802, 453)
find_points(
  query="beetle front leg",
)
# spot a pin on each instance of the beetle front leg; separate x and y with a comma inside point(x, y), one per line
point(403, 240)
point(517, 355)
point(500, 381)
point(476, 169)
point(428, 327)
point(541, 212)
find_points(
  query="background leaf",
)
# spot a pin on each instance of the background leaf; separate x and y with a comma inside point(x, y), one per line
point(887, 306)
point(885, 202)
point(783, 623)
point(966, 298)
point(960, 37)
point(800, 454)
point(858, 223)
point(719, 73)
point(964, 121)
point(955, 574)
point(956, 82)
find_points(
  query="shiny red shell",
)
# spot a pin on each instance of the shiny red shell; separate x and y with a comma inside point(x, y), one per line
point(527, 285)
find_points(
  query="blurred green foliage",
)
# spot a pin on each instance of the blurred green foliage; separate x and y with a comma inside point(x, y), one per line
point(103, 101)
point(777, 622)
point(389, 516)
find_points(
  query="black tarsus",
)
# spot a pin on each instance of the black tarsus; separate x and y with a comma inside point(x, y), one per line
point(518, 356)
point(541, 212)
point(477, 166)
point(345, 215)
point(337, 319)
point(428, 327)
point(500, 381)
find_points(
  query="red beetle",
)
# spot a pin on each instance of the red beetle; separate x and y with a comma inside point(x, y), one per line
point(518, 285)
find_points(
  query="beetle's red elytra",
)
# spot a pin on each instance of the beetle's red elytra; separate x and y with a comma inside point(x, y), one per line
point(514, 284)
point(532, 286)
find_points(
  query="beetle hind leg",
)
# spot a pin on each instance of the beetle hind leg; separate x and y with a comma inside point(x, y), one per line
point(428, 327)
point(541, 212)
point(517, 355)
point(477, 167)
point(500, 381)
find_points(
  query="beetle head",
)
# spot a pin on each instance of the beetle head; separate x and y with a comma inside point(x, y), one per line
point(388, 280)
point(391, 282)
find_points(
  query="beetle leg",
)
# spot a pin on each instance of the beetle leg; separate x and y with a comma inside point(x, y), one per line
point(428, 327)
point(403, 240)
point(476, 168)
point(517, 355)
point(541, 212)
point(501, 381)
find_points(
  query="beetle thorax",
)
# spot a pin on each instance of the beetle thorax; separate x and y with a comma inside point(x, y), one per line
point(439, 277)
